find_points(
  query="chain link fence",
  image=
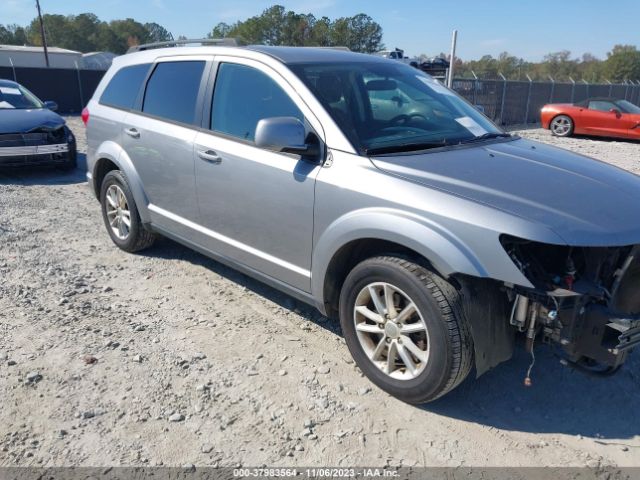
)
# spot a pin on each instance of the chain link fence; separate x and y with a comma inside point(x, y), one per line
point(510, 102)
point(507, 102)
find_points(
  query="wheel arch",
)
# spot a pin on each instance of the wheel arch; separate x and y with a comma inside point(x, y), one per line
point(346, 242)
point(110, 156)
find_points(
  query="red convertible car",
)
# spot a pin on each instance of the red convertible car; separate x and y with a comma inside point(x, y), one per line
point(605, 117)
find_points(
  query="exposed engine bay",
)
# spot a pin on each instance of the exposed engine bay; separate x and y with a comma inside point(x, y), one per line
point(585, 299)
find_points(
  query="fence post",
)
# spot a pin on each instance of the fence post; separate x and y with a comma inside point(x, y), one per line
point(626, 91)
point(573, 90)
point(475, 87)
point(610, 87)
point(553, 88)
point(13, 67)
point(79, 87)
point(504, 94)
point(587, 84)
point(526, 112)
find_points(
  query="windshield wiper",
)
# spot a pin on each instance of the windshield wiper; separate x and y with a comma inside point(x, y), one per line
point(405, 147)
point(488, 135)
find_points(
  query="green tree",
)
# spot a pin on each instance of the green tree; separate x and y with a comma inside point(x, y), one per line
point(321, 33)
point(277, 26)
point(157, 33)
point(128, 33)
point(6, 37)
point(623, 63)
point(221, 30)
point(365, 35)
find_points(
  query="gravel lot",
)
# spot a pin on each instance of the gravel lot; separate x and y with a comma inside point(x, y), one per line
point(169, 358)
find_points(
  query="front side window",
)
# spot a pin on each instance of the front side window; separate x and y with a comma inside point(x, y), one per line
point(601, 106)
point(243, 96)
point(123, 88)
point(172, 91)
point(628, 107)
point(13, 96)
point(386, 106)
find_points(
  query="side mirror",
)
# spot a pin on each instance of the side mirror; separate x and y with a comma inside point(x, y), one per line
point(284, 134)
point(616, 112)
point(51, 105)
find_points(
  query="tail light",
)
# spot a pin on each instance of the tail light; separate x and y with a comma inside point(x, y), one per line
point(85, 116)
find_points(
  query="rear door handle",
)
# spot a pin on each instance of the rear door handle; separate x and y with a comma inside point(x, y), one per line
point(132, 132)
point(209, 156)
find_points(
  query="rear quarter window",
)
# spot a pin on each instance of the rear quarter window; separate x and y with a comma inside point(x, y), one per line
point(172, 91)
point(123, 88)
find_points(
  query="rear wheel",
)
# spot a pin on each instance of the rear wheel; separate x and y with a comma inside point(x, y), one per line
point(405, 328)
point(121, 216)
point(561, 126)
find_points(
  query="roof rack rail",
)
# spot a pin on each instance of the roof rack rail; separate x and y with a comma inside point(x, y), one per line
point(225, 42)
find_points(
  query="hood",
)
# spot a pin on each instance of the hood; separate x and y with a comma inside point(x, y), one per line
point(584, 201)
point(23, 121)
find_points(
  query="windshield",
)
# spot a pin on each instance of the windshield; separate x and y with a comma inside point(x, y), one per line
point(628, 107)
point(388, 106)
point(18, 97)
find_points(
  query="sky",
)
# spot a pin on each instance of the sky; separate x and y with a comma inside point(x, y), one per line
point(525, 28)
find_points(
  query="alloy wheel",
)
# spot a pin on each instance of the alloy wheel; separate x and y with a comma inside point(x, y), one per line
point(118, 213)
point(391, 331)
point(561, 126)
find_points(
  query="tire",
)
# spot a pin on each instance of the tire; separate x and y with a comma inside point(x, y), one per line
point(446, 349)
point(134, 237)
point(561, 126)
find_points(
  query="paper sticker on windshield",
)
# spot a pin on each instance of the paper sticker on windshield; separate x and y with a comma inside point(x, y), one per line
point(10, 91)
point(471, 125)
point(435, 85)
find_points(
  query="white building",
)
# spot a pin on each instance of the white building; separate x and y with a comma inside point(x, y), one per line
point(34, 57)
point(97, 60)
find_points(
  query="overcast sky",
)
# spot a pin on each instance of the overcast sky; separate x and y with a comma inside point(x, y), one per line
point(525, 28)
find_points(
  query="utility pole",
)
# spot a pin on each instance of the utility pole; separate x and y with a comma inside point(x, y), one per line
point(44, 37)
point(452, 59)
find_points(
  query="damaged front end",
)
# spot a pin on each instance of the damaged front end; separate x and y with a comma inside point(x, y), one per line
point(42, 145)
point(584, 299)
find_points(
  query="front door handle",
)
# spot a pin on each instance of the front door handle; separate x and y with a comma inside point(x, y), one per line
point(132, 132)
point(209, 156)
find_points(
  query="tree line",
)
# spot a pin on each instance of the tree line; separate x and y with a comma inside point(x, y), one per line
point(622, 63)
point(85, 33)
point(277, 26)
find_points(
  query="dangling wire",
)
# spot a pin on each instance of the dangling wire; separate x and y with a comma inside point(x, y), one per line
point(527, 379)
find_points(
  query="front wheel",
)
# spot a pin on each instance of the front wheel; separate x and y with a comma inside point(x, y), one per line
point(561, 126)
point(405, 328)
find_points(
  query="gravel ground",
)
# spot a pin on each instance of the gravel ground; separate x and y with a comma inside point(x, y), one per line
point(169, 358)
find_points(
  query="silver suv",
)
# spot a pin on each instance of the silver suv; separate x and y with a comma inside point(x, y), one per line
point(365, 188)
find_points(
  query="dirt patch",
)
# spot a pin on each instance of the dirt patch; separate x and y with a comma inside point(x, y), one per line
point(169, 358)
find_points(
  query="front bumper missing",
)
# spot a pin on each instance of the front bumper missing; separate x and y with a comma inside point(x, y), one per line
point(600, 335)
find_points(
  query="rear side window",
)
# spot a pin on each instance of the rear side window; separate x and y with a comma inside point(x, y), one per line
point(243, 96)
point(123, 88)
point(172, 90)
